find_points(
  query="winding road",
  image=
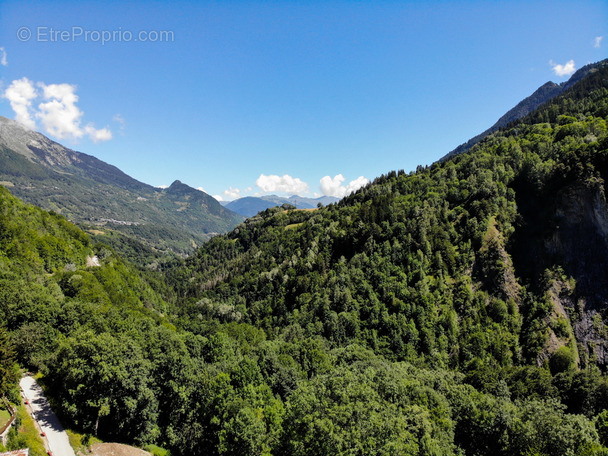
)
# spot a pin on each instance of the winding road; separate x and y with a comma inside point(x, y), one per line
point(56, 437)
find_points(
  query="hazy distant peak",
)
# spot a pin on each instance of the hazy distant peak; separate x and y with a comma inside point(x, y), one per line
point(178, 187)
point(248, 206)
point(176, 184)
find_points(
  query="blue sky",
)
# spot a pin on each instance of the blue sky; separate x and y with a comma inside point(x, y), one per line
point(241, 98)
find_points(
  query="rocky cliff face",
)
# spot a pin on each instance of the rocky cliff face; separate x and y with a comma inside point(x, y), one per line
point(581, 238)
point(569, 256)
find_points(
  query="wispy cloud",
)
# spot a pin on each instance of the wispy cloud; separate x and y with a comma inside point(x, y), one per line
point(334, 186)
point(563, 70)
point(597, 41)
point(120, 120)
point(284, 183)
point(57, 111)
point(3, 58)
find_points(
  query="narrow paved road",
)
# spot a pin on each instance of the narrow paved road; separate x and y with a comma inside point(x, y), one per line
point(56, 438)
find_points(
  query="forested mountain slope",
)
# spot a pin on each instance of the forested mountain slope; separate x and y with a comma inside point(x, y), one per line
point(115, 367)
point(543, 94)
point(490, 263)
point(60, 293)
point(498, 255)
point(90, 191)
point(456, 310)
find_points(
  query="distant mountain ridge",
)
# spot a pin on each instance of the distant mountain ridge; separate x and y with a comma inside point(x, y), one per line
point(543, 94)
point(89, 191)
point(248, 206)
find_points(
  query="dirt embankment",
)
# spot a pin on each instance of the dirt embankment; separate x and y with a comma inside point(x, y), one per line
point(115, 449)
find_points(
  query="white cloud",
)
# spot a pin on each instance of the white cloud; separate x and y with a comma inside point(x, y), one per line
point(228, 195)
point(20, 95)
point(201, 189)
point(285, 183)
point(163, 186)
point(563, 70)
point(597, 41)
point(232, 193)
point(4, 62)
point(333, 186)
point(57, 112)
point(103, 134)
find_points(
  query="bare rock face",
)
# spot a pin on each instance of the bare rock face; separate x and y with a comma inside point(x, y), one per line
point(580, 240)
point(560, 250)
point(34, 146)
point(93, 262)
point(592, 334)
point(559, 321)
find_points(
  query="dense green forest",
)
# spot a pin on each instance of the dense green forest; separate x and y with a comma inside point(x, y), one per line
point(459, 309)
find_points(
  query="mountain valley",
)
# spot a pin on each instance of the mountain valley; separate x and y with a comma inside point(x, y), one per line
point(93, 193)
point(459, 309)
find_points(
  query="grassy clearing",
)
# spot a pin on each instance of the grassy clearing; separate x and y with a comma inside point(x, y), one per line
point(157, 451)
point(293, 226)
point(24, 434)
point(5, 417)
point(81, 442)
